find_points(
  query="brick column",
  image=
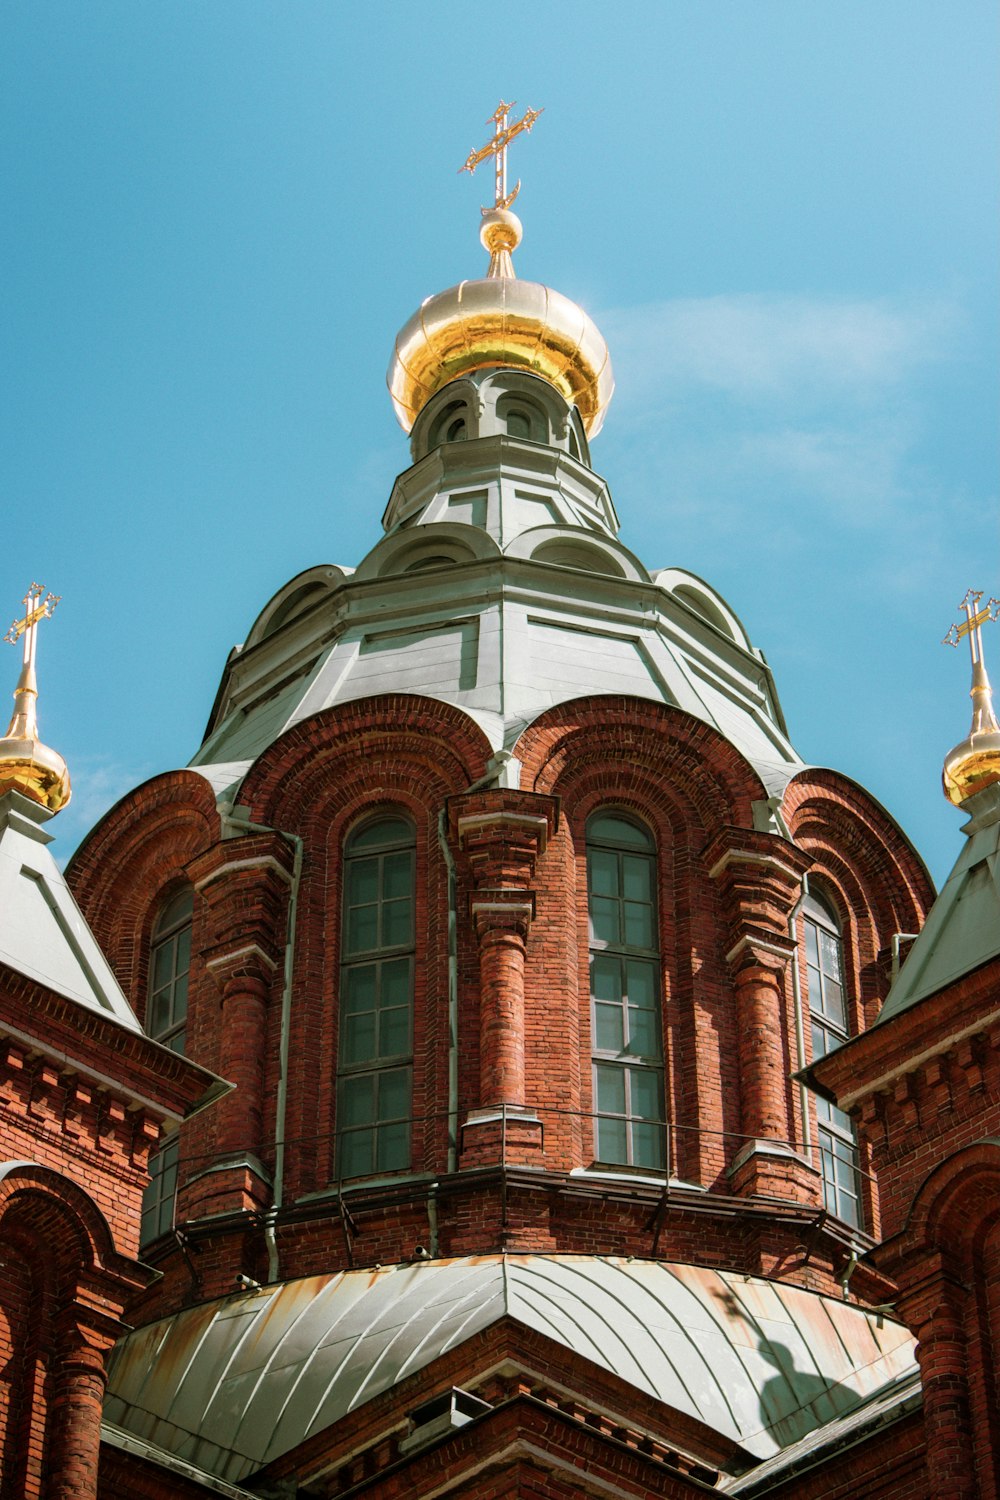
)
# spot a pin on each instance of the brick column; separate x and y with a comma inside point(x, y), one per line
point(245, 981)
point(75, 1414)
point(501, 834)
point(932, 1303)
point(502, 930)
point(243, 883)
point(760, 878)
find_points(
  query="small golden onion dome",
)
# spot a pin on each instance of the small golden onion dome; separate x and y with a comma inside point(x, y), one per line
point(26, 765)
point(975, 763)
point(500, 321)
point(971, 766)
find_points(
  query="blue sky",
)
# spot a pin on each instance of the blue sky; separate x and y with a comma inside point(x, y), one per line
point(782, 215)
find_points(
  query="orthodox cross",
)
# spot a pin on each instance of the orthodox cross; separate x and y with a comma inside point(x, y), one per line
point(975, 618)
point(37, 606)
point(503, 134)
point(983, 717)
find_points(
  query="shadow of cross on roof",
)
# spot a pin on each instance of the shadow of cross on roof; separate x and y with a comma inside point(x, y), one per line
point(800, 1397)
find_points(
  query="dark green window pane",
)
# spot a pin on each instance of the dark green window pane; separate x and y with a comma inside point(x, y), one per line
point(356, 1153)
point(359, 988)
point(604, 920)
point(604, 873)
point(609, 1031)
point(358, 1039)
point(610, 1089)
point(397, 879)
point(394, 1032)
point(833, 1005)
point(183, 941)
point(357, 1100)
point(176, 1042)
point(616, 830)
point(640, 979)
point(397, 923)
point(362, 881)
point(638, 925)
point(362, 929)
point(812, 948)
point(649, 1146)
point(396, 982)
point(180, 997)
point(386, 831)
point(159, 1014)
point(645, 1090)
point(643, 1040)
point(637, 882)
point(605, 977)
point(163, 964)
point(179, 909)
point(612, 1140)
point(393, 1147)
point(394, 1094)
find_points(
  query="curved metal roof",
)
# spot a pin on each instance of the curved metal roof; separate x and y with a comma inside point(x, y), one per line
point(231, 1385)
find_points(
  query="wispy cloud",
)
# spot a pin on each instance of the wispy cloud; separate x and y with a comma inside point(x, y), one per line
point(781, 410)
point(756, 348)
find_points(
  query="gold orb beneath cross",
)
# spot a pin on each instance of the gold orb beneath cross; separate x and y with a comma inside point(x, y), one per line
point(500, 230)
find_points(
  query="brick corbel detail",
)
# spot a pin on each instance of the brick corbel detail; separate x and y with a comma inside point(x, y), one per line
point(500, 835)
point(759, 876)
point(243, 885)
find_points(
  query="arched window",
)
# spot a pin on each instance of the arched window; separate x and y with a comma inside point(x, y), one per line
point(169, 961)
point(166, 1021)
point(625, 993)
point(838, 1144)
point(522, 419)
point(375, 1084)
point(450, 425)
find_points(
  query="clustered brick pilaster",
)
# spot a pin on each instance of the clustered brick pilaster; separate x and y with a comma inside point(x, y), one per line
point(500, 835)
point(243, 886)
point(760, 877)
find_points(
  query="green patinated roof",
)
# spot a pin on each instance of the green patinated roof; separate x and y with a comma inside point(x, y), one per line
point(962, 931)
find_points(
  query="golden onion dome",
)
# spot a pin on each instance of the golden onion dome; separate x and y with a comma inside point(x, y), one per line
point(500, 321)
point(26, 764)
point(974, 763)
point(971, 766)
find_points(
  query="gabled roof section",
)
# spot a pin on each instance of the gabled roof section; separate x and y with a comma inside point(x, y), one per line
point(962, 930)
point(230, 1386)
point(43, 934)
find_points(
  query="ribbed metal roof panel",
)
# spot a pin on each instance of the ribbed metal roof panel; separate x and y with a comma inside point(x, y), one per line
point(231, 1385)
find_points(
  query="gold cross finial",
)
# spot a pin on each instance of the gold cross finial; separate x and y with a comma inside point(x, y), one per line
point(503, 134)
point(37, 606)
point(983, 718)
point(975, 618)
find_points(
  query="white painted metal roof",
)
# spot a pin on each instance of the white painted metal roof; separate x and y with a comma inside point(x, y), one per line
point(43, 934)
point(231, 1385)
point(962, 930)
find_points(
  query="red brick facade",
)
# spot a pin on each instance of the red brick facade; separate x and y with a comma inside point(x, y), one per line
point(83, 1101)
point(502, 1136)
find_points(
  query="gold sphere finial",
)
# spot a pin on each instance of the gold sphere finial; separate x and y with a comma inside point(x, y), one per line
point(500, 230)
point(974, 763)
point(26, 765)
